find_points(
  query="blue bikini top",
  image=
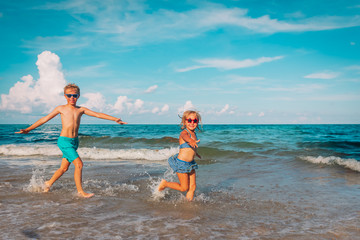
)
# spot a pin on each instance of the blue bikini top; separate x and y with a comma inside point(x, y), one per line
point(185, 144)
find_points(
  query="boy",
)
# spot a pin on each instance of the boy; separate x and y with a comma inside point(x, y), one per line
point(68, 141)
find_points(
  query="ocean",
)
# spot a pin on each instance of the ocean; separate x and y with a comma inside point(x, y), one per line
point(253, 182)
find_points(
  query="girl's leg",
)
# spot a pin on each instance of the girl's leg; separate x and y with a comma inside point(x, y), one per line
point(182, 186)
point(192, 186)
point(78, 178)
point(63, 168)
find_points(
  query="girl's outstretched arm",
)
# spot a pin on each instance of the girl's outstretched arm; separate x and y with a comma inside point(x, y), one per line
point(185, 135)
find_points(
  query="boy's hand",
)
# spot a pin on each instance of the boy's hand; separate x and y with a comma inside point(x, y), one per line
point(119, 121)
point(23, 131)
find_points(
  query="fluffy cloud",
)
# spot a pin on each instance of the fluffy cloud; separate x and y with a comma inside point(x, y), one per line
point(123, 103)
point(95, 101)
point(159, 111)
point(151, 89)
point(188, 106)
point(42, 94)
point(229, 64)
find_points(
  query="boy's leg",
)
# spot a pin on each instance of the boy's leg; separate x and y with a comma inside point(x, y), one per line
point(78, 178)
point(63, 168)
point(182, 186)
point(192, 186)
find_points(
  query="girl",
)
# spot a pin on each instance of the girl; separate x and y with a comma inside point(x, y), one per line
point(183, 163)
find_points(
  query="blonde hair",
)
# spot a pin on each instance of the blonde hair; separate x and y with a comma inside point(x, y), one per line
point(186, 115)
point(72, 86)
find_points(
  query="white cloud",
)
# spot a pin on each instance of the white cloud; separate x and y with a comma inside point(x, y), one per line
point(323, 75)
point(165, 108)
point(123, 103)
point(229, 64)
point(130, 22)
point(95, 101)
point(261, 114)
point(159, 111)
point(225, 108)
point(155, 110)
point(138, 104)
point(151, 89)
point(119, 104)
point(44, 94)
point(188, 106)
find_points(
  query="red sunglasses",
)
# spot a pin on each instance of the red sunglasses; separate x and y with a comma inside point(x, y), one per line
point(189, 120)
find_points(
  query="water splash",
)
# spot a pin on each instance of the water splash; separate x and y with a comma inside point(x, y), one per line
point(156, 195)
point(37, 181)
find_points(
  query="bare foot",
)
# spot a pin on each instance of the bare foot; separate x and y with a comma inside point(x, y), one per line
point(86, 195)
point(190, 196)
point(162, 185)
point(47, 187)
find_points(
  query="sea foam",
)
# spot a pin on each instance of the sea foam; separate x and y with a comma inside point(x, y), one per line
point(90, 153)
point(352, 164)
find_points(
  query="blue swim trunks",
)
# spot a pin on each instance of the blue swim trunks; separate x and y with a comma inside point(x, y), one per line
point(181, 166)
point(68, 147)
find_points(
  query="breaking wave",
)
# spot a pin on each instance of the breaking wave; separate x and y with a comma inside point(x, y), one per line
point(352, 164)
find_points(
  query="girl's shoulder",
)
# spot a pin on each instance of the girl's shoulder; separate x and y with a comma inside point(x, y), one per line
point(187, 132)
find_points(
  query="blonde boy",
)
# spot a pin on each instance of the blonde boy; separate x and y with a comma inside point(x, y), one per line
point(68, 141)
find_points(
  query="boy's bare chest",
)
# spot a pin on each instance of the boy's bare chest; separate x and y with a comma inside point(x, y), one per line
point(71, 114)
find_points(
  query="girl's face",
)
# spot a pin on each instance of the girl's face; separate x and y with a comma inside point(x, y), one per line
point(191, 122)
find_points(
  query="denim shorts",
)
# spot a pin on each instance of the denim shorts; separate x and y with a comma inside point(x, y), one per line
point(181, 166)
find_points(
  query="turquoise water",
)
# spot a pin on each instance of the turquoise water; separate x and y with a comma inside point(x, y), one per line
point(253, 182)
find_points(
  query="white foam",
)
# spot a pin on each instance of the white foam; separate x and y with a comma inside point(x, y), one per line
point(89, 153)
point(128, 154)
point(29, 150)
point(352, 164)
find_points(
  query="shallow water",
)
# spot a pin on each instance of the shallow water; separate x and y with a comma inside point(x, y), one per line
point(253, 182)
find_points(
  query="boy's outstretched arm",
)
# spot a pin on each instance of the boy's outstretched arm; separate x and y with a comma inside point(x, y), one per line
point(103, 116)
point(41, 121)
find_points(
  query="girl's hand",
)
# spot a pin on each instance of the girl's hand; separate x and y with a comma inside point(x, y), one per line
point(193, 143)
point(23, 131)
point(119, 121)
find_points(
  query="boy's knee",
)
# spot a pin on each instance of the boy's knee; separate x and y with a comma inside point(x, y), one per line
point(78, 163)
point(64, 169)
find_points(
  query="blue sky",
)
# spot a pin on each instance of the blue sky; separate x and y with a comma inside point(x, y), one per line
point(243, 62)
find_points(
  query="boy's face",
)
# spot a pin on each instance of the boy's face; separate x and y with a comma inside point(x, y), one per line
point(71, 96)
